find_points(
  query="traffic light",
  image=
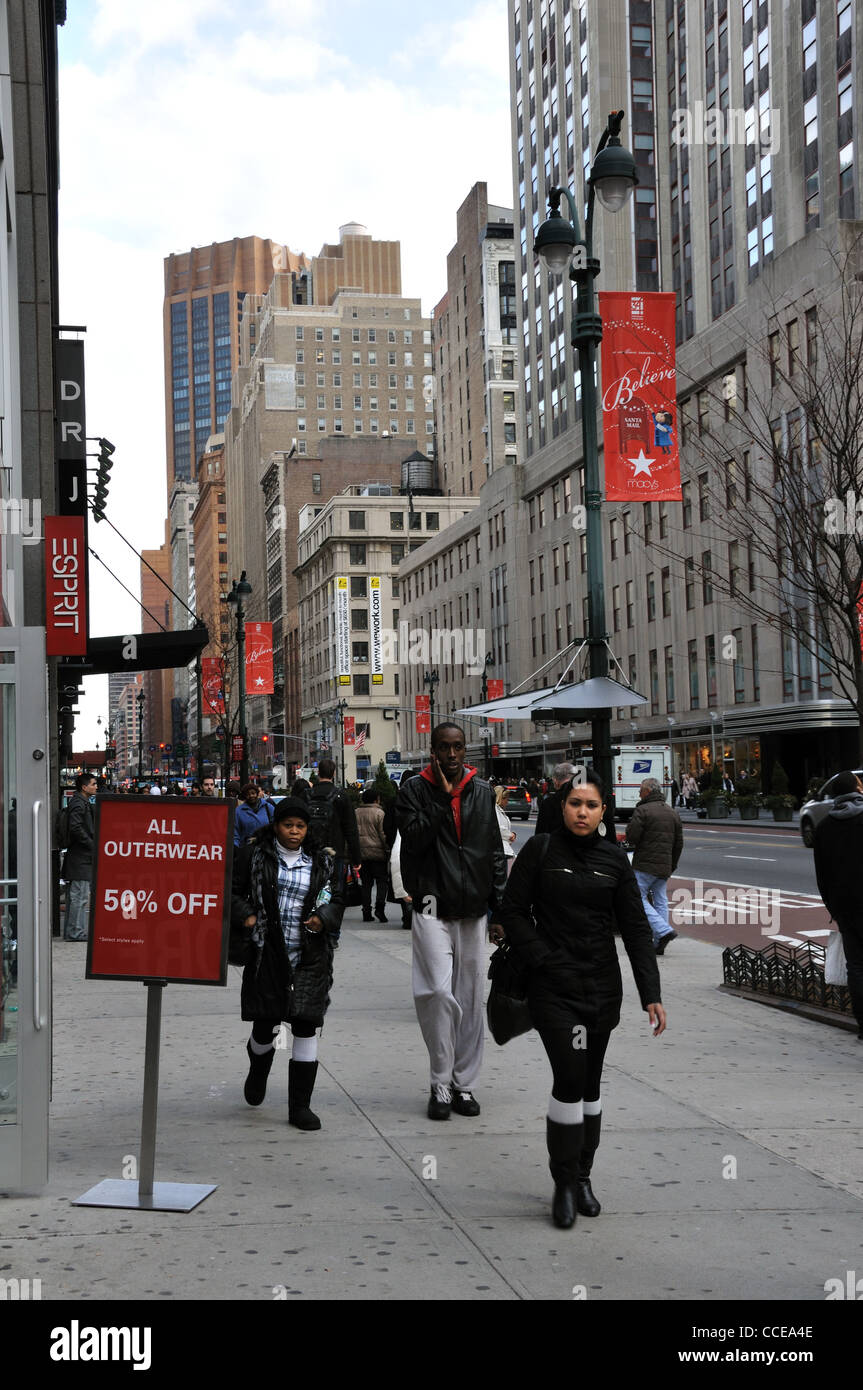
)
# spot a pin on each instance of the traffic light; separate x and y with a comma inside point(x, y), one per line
point(67, 703)
point(265, 738)
point(100, 496)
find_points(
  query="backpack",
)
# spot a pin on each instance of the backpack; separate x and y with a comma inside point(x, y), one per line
point(323, 820)
point(61, 828)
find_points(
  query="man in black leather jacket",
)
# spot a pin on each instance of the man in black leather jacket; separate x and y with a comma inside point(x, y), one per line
point(453, 867)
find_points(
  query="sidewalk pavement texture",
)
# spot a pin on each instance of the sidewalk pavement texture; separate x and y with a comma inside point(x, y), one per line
point(731, 1163)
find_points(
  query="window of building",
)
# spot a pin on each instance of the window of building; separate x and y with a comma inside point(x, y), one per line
point(397, 521)
point(316, 482)
point(432, 521)
point(397, 553)
point(651, 598)
point(692, 660)
point(361, 685)
point(359, 617)
point(359, 652)
point(357, 554)
point(357, 521)
point(358, 586)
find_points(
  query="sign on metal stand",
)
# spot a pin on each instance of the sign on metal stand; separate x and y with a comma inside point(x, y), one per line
point(159, 913)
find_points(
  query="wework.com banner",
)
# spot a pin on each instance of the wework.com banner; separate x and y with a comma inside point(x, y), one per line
point(639, 397)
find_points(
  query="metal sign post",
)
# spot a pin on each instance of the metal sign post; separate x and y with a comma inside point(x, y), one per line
point(173, 929)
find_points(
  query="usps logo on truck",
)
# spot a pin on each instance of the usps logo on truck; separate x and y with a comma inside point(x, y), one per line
point(643, 766)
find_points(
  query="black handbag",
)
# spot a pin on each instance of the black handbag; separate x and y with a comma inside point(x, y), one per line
point(507, 1009)
point(353, 891)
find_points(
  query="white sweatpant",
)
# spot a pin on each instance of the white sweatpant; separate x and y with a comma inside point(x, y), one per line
point(449, 967)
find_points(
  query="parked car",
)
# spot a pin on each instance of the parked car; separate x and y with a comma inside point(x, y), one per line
point(813, 812)
point(518, 806)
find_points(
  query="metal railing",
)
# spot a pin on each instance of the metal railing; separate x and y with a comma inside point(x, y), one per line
point(786, 972)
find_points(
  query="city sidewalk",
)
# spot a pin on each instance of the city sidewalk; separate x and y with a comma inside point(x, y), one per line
point(729, 1168)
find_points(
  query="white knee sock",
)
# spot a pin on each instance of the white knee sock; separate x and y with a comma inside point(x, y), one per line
point(305, 1049)
point(260, 1048)
point(593, 1107)
point(564, 1112)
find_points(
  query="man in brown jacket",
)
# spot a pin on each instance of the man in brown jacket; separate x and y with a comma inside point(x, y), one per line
point(374, 854)
point(655, 833)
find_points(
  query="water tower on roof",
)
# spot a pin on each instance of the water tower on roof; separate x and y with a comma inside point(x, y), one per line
point(352, 229)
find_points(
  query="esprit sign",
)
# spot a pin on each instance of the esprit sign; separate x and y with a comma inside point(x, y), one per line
point(160, 901)
point(65, 586)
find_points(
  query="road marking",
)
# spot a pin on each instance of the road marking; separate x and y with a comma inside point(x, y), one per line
point(756, 858)
point(821, 932)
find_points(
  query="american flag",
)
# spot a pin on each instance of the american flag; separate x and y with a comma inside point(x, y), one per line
point(360, 739)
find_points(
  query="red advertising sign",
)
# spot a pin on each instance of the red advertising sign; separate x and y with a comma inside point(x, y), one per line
point(212, 685)
point(65, 586)
point(160, 899)
point(423, 713)
point(349, 730)
point(639, 397)
point(494, 689)
point(259, 659)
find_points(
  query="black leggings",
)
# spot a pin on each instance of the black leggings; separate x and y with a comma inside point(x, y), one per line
point(264, 1029)
point(576, 1070)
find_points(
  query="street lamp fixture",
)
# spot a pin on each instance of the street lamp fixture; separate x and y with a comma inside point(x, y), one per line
point(559, 245)
point(240, 590)
point(431, 679)
point(139, 701)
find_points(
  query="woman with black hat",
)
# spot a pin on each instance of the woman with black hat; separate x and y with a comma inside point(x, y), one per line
point(566, 893)
point(288, 898)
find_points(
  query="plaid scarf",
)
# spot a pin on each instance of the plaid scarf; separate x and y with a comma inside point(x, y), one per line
point(292, 885)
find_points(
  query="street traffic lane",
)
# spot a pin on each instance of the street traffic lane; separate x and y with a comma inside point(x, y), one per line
point(732, 913)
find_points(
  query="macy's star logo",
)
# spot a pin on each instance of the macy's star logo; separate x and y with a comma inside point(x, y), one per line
point(641, 464)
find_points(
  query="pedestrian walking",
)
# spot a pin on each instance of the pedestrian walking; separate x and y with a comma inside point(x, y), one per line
point(550, 815)
point(655, 834)
point(334, 821)
point(301, 788)
point(565, 940)
point(288, 896)
point(690, 790)
point(507, 834)
point(374, 855)
point(253, 814)
point(453, 867)
point(78, 863)
point(838, 850)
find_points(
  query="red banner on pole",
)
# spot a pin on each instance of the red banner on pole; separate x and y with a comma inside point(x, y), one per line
point(494, 689)
point(65, 586)
point(212, 685)
point(639, 397)
point(423, 713)
point(160, 900)
point(259, 659)
point(349, 730)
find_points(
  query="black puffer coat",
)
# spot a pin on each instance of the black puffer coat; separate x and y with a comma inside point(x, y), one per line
point(272, 988)
point(564, 896)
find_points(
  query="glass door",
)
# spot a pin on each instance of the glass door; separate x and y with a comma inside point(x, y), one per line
point(25, 917)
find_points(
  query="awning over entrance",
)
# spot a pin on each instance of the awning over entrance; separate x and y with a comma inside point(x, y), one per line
point(140, 651)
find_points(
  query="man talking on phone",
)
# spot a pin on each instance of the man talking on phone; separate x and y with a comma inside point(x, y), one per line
point(453, 867)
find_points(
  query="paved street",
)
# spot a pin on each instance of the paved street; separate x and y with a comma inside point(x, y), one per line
point(730, 1166)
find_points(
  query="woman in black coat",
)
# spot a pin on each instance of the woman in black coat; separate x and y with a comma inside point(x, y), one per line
point(566, 893)
point(288, 897)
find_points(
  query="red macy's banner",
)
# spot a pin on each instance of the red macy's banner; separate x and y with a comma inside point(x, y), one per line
point(259, 659)
point(639, 397)
point(350, 730)
point(423, 713)
point(160, 900)
point(213, 685)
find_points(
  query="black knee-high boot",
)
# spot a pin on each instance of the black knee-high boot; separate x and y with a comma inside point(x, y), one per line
point(564, 1148)
point(584, 1197)
point(259, 1069)
point(301, 1083)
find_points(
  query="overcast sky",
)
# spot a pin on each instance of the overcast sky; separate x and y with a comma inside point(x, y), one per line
point(184, 122)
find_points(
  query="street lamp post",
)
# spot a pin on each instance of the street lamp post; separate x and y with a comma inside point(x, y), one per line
point(240, 590)
point(431, 679)
point(486, 731)
point(560, 248)
point(713, 718)
point(139, 701)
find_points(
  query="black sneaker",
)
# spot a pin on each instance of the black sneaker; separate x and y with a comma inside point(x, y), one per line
point(440, 1103)
point(663, 942)
point(463, 1102)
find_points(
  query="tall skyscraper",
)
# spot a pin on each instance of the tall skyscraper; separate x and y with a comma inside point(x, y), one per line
point(740, 117)
point(476, 348)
